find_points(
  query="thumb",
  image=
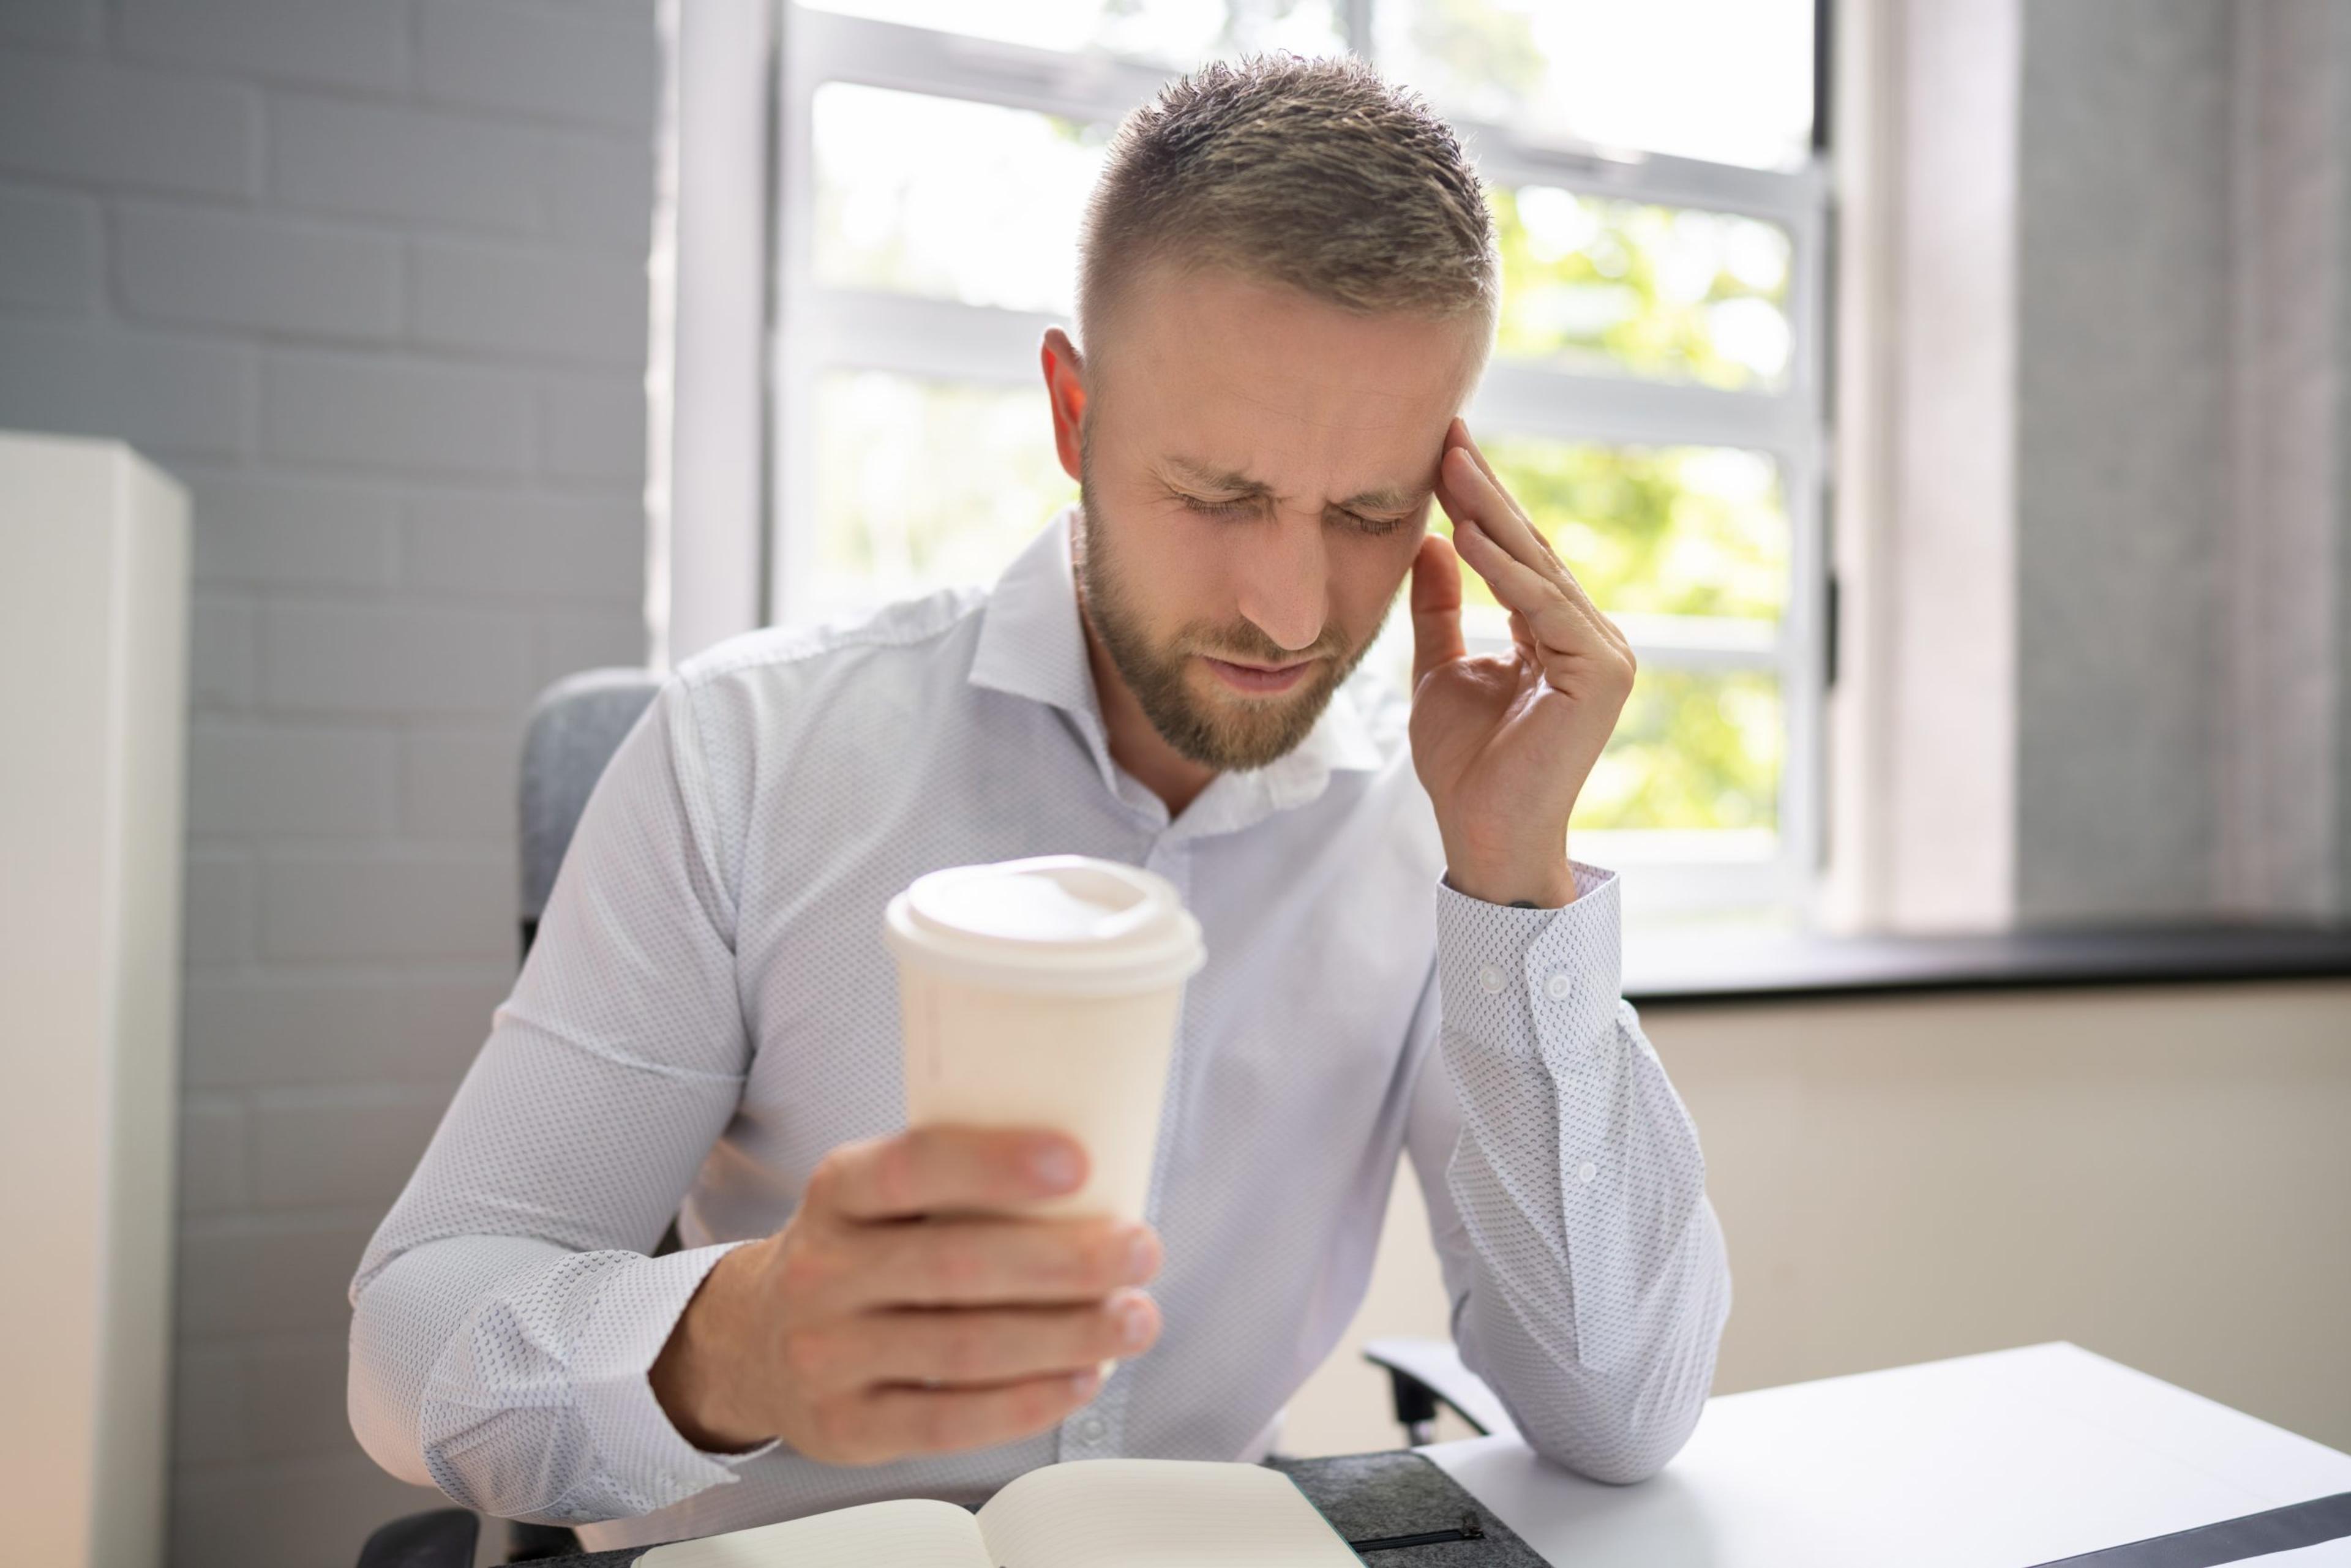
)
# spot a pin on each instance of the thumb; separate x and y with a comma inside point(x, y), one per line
point(1435, 606)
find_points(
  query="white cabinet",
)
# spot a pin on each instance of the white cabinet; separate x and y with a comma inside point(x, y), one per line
point(93, 727)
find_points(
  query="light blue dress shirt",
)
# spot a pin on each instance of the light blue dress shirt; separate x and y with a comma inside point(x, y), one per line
point(709, 1008)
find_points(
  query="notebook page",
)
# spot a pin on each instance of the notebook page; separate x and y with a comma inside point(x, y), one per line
point(915, 1532)
point(1157, 1513)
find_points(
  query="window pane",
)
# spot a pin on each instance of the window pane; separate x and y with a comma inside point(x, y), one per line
point(1589, 283)
point(922, 484)
point(950, 199)
point(1681, 530)
point(1726, 81)
point(1176, 32)
point(1695, 749)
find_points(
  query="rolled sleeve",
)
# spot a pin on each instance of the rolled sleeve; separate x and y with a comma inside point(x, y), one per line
point(570, 1350)
point(630, 1322)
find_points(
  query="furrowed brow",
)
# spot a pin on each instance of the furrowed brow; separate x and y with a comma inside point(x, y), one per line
point(1223, 481)
point(1386, 499)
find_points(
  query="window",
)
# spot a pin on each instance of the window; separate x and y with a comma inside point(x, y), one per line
point(1655, 399)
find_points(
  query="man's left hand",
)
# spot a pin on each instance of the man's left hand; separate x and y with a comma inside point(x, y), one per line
point(1503, 742)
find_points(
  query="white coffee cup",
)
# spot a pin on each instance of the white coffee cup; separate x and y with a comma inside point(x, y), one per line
point(1045, 993)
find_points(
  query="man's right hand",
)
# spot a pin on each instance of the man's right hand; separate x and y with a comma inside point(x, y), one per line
point(891, 1316)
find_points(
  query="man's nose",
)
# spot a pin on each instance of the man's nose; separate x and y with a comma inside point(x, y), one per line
point(1284, 575)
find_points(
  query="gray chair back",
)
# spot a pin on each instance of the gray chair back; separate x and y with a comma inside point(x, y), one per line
point(572, 731)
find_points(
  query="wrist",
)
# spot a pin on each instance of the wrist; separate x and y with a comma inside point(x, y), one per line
point(1528, 882)
point(698, 1378)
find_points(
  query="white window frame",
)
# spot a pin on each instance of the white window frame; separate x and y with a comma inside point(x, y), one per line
point(818, 328)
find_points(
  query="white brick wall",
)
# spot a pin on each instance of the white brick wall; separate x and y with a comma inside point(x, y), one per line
point(200, 266)
point(368, 275)
point(48, 250)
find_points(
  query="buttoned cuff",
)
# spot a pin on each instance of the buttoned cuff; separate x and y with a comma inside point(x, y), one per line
point(1530, 982)
point(635, 1310)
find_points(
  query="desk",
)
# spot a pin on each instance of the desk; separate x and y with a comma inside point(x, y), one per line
point(2008, 1461)
point(2005, 1460)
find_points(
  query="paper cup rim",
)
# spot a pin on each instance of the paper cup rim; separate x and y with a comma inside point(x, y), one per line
point(1082, 968)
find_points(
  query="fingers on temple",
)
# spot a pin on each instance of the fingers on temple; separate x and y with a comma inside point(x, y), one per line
point(1522, 588)
point(1540, 579)
point(1482, 495)
point(1477, 453)
point(1547, 618)
point(1471, 479)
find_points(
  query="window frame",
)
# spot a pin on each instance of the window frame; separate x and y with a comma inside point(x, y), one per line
point(815, 330)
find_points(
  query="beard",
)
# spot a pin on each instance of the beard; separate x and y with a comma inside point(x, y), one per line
point(1225, 731)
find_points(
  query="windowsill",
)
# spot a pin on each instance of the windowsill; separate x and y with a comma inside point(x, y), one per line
point(1669, 969)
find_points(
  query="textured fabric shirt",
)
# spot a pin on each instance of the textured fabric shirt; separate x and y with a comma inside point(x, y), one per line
point(709, 1007)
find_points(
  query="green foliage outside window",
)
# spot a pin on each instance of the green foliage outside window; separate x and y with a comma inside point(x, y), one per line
point(1675, 531)
point(922, 484)
point(1688, 530)
point(1695, 749)
point(1589, 283)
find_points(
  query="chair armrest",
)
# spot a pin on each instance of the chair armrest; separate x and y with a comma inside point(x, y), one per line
point(1431, 1370)
point(441, 1539)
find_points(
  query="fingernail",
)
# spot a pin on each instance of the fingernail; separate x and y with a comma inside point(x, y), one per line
point(1132, 1321)
point(1142, 1256)
point(1055, 1165)
point(1083, 1383)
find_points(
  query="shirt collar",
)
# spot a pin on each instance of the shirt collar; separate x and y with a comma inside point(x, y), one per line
point(1032, 645)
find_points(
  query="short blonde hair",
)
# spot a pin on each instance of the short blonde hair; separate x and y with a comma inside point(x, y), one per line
point(1313, 172)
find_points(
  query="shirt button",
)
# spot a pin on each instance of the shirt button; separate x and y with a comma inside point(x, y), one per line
point(1091, 1429)
point(1586, 1171)
point(1558, 985)
point(1489, 980)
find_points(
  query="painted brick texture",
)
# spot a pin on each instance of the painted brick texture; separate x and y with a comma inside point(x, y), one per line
point(368, 275)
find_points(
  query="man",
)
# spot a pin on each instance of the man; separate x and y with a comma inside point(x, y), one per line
point(1288, 292)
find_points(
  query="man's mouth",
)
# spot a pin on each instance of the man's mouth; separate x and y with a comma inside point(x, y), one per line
point(1257, 679)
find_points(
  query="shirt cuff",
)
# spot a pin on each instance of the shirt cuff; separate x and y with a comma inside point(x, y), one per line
point(1532, 981)
point(635, 1310)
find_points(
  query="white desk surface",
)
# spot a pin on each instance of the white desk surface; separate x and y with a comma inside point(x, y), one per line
point(2004, 1461)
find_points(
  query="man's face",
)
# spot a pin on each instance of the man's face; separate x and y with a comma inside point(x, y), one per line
point(1255, 474)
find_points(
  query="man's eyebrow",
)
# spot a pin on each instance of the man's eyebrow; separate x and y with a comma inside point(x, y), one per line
point(1218, 479)
point(1226, 481)
point(1386, 499)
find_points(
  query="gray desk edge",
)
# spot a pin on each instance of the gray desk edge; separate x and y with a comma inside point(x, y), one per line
point(1692, 968)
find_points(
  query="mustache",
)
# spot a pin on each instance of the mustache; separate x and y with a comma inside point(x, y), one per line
point(1241, 642)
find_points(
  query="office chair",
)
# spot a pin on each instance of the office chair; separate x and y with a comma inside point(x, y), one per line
point(1424, 1373)
point(570, 733)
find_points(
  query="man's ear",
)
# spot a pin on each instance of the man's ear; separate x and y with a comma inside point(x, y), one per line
point(1065, 388)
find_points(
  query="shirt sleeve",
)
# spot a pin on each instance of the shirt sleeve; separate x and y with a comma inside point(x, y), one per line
point(505, 1316)
point(1585, 1264)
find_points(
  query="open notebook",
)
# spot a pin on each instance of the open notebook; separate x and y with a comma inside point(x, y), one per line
point(1088, 1513)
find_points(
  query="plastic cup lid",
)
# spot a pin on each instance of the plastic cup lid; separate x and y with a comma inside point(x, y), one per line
point(1056, 922)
